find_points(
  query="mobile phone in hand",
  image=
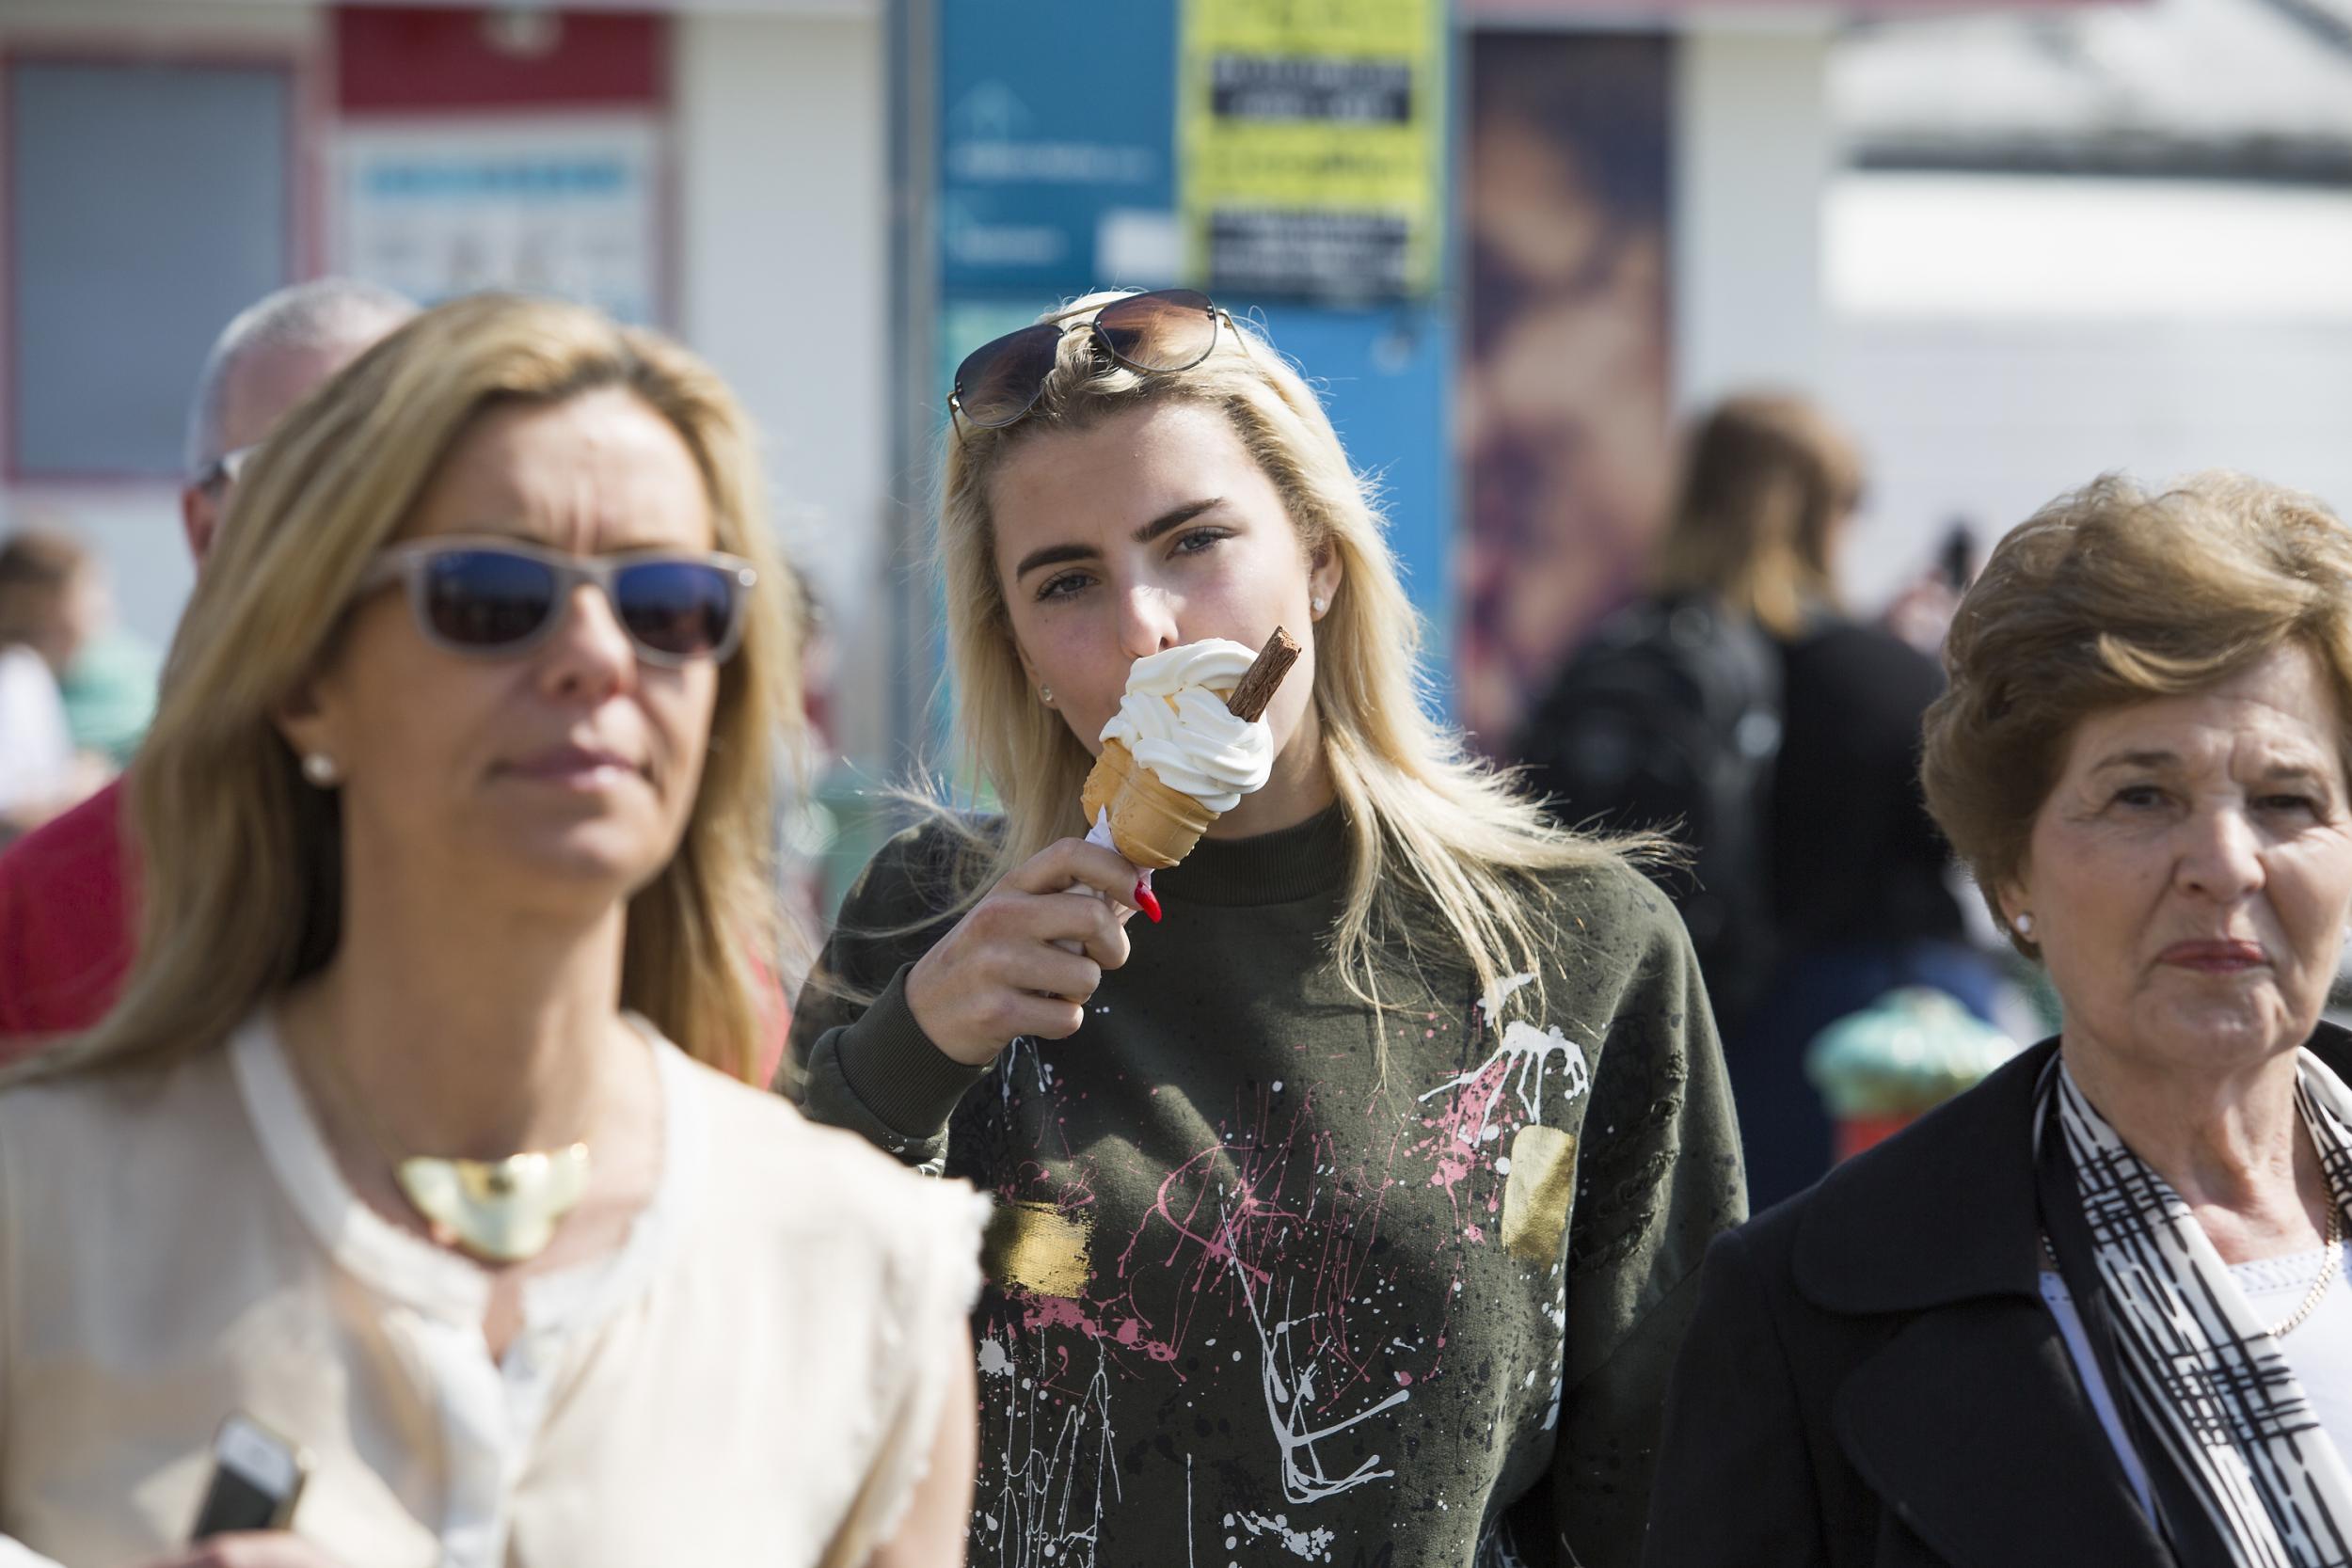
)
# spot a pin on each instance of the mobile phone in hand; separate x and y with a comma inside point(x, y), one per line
point(257, 1477)
point(1956, 561)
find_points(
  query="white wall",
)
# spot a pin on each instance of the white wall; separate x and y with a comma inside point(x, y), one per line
point(1998, 340)
point(1751, 157)
point(783, 171)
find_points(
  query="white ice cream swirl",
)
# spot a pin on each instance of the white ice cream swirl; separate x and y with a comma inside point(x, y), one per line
point(1174, 719)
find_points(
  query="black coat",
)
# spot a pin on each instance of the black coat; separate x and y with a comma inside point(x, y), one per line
point(1855, 857)
point(1871, 1376)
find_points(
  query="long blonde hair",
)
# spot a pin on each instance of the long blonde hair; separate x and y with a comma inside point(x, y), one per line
point(1425, 821)
point(241, 859)
point(1766, 483)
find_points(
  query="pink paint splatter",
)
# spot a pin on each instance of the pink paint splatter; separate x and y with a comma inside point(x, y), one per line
point(1454, 1146)
point(1058, 1312)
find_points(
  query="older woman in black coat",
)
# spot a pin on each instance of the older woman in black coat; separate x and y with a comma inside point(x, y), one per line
point(2090, 1312)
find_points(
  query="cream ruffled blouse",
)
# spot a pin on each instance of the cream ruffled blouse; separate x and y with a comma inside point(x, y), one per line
point(755, 1377)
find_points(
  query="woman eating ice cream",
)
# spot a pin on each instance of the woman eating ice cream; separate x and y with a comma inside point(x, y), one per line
point(1353, 1209)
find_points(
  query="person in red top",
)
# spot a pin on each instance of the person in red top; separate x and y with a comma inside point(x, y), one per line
point(69, 908)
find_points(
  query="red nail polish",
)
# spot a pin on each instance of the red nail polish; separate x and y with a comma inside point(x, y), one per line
point(1148, 902)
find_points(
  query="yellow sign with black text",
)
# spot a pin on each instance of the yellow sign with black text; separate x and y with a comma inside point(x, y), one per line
point(1312, 140)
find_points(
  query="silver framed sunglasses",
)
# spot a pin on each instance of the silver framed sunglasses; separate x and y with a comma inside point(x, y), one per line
point(498, 598)
point(221, 473)
point(1156, 333)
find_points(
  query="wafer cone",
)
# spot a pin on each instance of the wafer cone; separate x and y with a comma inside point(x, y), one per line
point(1154, 825)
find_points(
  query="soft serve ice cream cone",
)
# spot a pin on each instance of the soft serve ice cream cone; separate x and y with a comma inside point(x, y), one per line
point(1176, 757)
point(1150, 823)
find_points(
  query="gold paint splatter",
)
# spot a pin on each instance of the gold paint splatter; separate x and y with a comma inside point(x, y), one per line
point(1535, 1198)
point(1036, 1247)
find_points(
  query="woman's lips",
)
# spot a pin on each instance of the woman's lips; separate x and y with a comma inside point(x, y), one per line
point(2215, 958)
point(574, 768)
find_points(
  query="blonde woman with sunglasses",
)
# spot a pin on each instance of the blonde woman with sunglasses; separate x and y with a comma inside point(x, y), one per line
point(1351, 1209)
point(419, 1137)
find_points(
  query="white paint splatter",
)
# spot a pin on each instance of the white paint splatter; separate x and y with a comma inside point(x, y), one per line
point(1009, 1061)
point(1045, 1508)
point(1525, 1055)
point(1298, 1543)
point(1290, 1389)
point(994, 1362)
point(1490, 1005)
point(1188, 1509)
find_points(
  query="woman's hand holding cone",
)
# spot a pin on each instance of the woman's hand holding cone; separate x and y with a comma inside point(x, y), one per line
point(998, 974)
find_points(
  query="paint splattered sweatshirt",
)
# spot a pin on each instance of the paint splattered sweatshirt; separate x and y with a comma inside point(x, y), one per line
point(1252, 1303)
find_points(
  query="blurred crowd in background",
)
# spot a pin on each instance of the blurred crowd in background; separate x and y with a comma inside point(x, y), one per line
point(1698, 358)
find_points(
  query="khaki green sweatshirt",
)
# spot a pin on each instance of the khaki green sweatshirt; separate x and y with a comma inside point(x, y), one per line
point(1254, 1300)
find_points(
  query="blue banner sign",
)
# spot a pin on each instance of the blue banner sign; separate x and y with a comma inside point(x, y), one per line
point(1057, 158)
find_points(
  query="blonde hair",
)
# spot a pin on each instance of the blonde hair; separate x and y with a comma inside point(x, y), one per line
point(1765, 482)
point(241, 859)
point(1423, 820)
point(2112, 594)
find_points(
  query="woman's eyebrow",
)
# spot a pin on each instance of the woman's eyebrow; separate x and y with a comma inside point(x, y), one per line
point(1174, 517)
point(2286, 771)
point(1053, 555)
point(2136, 759)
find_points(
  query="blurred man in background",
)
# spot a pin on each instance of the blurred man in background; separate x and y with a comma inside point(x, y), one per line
point(68, 918)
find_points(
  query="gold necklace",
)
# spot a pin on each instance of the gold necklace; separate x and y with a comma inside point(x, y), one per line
point(499, 1211)
point(2312, 1298)
point(2318, 1292)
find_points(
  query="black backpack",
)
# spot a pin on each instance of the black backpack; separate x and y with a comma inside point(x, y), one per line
point(1668, 719)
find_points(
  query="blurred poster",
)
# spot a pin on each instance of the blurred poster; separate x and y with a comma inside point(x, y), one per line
point(1055, 165)
point(566, 205)
point(1312, 140)
point(1562, 419)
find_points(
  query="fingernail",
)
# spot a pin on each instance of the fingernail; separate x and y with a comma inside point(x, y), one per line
point(1148, 903)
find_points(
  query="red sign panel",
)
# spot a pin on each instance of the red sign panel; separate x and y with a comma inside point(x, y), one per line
point(403, 57)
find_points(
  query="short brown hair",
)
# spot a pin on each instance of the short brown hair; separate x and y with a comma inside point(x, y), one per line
point(37, 566)
point(2109, 596)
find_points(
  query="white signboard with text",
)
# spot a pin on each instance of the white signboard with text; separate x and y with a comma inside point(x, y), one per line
point(562, 204)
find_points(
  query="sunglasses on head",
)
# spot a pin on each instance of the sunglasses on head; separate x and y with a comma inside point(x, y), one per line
point(1169, 329)
point(495, 597)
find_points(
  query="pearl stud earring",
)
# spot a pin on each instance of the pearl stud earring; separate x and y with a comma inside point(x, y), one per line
point(320, 770)
point(1318, 604)
point(2024, 926)
point(1045, 695)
